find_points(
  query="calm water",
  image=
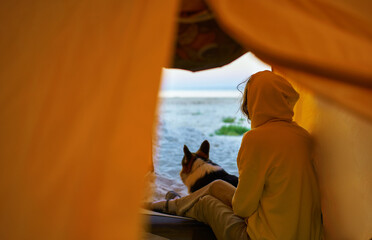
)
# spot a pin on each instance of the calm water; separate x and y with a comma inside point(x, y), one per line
point(189, 121)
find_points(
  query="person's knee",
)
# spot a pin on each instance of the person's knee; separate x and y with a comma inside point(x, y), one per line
point(217, 186)
point(218, 182)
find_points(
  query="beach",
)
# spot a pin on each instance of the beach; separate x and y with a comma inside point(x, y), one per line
point(189, 121)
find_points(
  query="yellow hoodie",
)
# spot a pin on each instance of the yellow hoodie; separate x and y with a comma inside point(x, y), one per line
point(277, 192)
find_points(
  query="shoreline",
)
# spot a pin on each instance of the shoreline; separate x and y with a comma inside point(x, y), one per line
point(200, 94)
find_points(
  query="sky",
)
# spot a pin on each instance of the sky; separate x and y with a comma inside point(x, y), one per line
point(225, 78)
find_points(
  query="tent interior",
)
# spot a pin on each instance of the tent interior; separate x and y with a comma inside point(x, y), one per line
point(79, 88)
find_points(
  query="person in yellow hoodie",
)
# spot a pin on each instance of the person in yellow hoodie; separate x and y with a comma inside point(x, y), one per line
point(277, 196)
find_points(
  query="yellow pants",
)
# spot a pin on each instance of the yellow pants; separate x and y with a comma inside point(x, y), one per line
point(210, 205)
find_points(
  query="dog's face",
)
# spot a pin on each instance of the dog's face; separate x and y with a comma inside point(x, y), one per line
point(189, 158)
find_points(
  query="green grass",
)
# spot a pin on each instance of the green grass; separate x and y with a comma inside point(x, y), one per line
point(231, 130)
point(228, 119)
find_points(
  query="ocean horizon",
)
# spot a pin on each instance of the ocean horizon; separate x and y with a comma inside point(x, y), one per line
point(200, 94)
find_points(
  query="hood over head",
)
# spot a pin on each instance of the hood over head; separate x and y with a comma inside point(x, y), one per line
point(270, 97)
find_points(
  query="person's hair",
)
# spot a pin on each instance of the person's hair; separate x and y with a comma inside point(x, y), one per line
point(244, 99)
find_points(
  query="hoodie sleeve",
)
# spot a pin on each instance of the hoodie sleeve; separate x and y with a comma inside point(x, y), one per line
point(252, 171)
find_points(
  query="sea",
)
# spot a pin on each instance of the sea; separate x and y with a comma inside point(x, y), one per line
point(188, 118)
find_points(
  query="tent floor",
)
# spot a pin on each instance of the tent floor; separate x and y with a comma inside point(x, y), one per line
point(177, 228)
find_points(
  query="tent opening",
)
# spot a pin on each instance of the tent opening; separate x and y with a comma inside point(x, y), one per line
point(199, 106)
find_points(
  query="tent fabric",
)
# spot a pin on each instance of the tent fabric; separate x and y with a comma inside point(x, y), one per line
point(78, 90)
point(353, 98)
point(322, 47)
point(342, 159)
point(201, 44)
point(328, 38)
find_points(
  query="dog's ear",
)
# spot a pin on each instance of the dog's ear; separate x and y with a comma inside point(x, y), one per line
point(187, 152)
point(204, 149)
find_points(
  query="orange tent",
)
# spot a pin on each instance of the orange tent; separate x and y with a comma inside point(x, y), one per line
point(79, 84)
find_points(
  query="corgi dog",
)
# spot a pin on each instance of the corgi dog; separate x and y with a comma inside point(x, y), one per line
point(198, 170)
